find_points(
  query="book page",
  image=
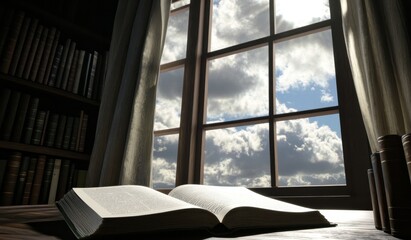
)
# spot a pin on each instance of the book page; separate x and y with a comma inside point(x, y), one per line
point(221, 199)
point(128, 200)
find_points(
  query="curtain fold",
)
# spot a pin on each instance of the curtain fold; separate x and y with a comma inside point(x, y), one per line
point(377, 42)
point(124, 135)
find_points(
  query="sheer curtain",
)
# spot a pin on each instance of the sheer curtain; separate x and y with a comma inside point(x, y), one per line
point(123, 140)
point(377, 39)
point(378, 47)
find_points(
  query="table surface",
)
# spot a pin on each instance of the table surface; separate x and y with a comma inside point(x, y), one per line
point(45, 222)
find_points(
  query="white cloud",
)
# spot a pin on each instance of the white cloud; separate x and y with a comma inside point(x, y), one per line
point(326, 97)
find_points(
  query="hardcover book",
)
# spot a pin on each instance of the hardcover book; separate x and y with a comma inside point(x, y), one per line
point(132, 209)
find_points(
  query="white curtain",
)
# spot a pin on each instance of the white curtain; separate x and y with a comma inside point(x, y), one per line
point(377, 39)
point(124, 135)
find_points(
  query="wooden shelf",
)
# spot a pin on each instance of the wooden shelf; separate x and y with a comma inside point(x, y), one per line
point(44, 89)
point(14, 146)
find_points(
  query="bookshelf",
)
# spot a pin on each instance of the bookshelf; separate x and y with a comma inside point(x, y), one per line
point(53, 58)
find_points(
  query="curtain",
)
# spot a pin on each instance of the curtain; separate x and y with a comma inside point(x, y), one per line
point(123, 141)
point(378, 48)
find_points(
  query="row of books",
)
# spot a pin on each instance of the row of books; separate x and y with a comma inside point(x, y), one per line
point(33, 51)
point(37, 179)
point(22, 119)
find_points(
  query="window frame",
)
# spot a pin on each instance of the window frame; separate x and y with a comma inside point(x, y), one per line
point(353, 195)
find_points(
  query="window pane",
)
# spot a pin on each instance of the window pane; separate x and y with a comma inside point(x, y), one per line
point(238, 156)
point(175, 44)
point(235, 22)
point(309, 151)
point(164, 161)
point(238, 86)
point(305, 73)
point(290, 14)
point(168, 99)
point(179, 3)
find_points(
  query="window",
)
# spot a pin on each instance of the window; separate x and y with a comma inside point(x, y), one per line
point(256, 93)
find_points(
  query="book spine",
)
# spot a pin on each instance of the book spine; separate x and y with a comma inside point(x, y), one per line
point(32, 54)
point(10, 181)
point(20, 117)
point(63, 63)
point(37, 181)
point(21, 180)
point(30, 120)
point(60, 131)
point(52, 129)
point(84, 74)
point(4, 101)
point(55, 66)
point(83, 134)
point(29, 182)
point(67, 66)
point(90, 86)
point(67, 132)
point(6, 129)
point(54, 181)
point(5, 27)
point(46, 181)
point(74, 134)
point(38, 127)
point(64, 175)
point(19, 46)
point(27, 46)
point(51, 58)
point(78, 71)
point(46, 55)
point(8, 51)
point(39, 55)
point(73, 68)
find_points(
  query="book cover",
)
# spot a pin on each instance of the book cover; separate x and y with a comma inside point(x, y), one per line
point(38, 127)
point(79, 70)
point(55, 66)
point(50, 61)
point(67, 68)
point(84, 74)
point(52, 130)
point(90, 87)
point(67, 132)
point(74, 134)
point(73, 68)
point(62, 65)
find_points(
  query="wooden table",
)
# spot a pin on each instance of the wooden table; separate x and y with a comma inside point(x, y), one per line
point(45, 222)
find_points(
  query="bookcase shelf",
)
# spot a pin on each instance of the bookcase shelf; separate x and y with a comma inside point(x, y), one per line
point(61, 153)
point(55, 93)
point(53, 60)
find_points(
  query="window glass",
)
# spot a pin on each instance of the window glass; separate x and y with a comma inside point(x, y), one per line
point(238, 86)
point(175, 44)
point(168, 99)
point(164, 162)
point(309, 151)
point(235, 22)
point(238, 156)
point(290, 14)
point(305, 73)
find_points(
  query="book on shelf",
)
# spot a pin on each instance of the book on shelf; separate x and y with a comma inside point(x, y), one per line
point(67, 65)
point(20, 118)
point(51, 58)
point(75, 134)
point(72, 73)
point(46, 181)
point(127, 209)
point(52, 129)
point(4, 100)
point(5, 27)
point(21, 180)
point(63, 179)
point(55, 65)
point(26, 48)
point(60, 131)
point(45, 57)
point(29, 181)
point(30, 120)
point(90, 86)
point(19, 46)
point(10, 45)
point(10, 178)
point(33, 51)
point(79, 70)
point(62, 66)
point(38, 179)
point(39, 55)
point(39, 126)
point(54, 181)
point(10, 116)
point(67, 132)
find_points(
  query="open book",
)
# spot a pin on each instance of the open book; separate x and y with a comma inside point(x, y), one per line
point(130, 209)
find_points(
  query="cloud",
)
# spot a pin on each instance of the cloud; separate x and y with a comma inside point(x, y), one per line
point(309, 152)
point(176, 38)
